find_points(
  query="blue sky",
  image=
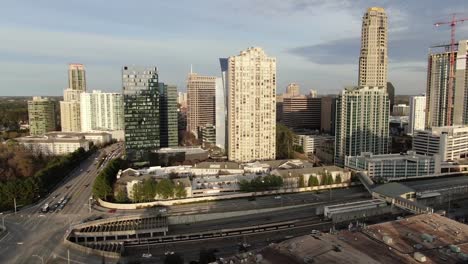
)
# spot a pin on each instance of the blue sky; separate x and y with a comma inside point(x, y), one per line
point(316, 43)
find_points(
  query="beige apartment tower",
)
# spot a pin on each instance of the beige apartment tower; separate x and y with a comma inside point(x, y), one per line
point(200, 101)
point(251, 81)
point(41, 112)
point(76, 77)
point(373, 58)
point(70, 116)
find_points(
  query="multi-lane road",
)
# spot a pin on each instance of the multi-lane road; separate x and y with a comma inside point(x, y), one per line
point(33, 235)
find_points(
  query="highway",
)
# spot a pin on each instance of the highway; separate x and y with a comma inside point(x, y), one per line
point(31, 232)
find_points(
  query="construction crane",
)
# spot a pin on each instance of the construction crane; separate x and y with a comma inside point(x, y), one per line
point(452, 23)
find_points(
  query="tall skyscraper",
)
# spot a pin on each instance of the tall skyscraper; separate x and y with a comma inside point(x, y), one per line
point(220, 123)
point(76, 77)
point(168, 115)
point(362, 122)
point(70, 116)
point(373, 58)
point(417, 115)
point(391, 94)
point(182, 99)
point(201, 92)
point(251, 115)
point(101, 111)
point(41, 112)
point(437, 108)
point(141, 111)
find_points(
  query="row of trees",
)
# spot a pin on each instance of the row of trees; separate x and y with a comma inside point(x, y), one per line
point(268, 182)
point(28, 189)
point(103, 184)
point(325, 179)
point(16, 161)
point(148, 189)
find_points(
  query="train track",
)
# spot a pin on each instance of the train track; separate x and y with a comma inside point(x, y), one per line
point(229, 233)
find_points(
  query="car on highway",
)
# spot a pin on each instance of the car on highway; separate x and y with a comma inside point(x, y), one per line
point(163, 210)
point(278, 197)
point(252, 198)
point(146, 255)
point(112, 211)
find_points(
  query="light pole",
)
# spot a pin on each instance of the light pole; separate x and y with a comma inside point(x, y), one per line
point(41, 258)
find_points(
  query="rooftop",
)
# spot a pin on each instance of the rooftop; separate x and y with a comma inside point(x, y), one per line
point(393, 189)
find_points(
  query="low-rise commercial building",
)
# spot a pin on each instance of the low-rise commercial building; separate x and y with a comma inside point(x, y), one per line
point(450, 142)
point(54, 146)
point(394, 166)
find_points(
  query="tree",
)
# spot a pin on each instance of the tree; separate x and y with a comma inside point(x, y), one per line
point(121, 196)
point(323, 179)
point(338, 179)
point(313, 181)
point(284, 142)
point(299, 148)
point(165, 189)
point(148, 190)
point(301, 181)
point(329, 179)
point(179, 191)
point(207, 256)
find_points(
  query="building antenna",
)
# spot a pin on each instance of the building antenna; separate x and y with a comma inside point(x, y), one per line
point(191, 69)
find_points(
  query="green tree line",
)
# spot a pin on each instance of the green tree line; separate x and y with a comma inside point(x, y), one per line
point(27, 190)
point(102, 186)
point(268, 182)
point(325, 179)
point(148, 189)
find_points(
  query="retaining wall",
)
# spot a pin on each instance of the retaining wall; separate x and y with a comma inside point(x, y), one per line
point(133, 206)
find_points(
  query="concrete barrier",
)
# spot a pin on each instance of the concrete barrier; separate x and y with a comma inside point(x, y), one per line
point(133, 206)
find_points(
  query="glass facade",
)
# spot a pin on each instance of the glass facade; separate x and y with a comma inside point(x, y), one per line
point(168, 115)
point(141, 111)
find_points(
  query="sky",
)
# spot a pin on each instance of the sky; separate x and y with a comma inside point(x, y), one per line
point(316, 43)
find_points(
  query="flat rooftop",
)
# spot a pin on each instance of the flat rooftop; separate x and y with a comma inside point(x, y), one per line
point(408, 235)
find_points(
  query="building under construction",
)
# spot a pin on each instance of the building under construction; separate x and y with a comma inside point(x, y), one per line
point(444, 107)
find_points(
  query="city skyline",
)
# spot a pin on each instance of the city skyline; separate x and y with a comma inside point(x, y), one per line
point(324, 58)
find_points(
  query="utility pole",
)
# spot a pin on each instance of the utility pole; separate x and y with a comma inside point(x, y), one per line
point(14, 203)
point(68, 255)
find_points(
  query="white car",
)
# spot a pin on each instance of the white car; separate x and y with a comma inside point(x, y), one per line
point(146, 255)
point(278, 197)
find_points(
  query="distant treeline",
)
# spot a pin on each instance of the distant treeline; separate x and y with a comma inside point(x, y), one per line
point(29, 189)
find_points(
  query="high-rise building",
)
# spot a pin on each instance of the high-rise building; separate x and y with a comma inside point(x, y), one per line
point(302, 112)
point(328, 114)
point(101, 111)
point(293, 89)
point(373, 58)
point(221, 112)
point(437, 109)
point(417, 114)
point(76, 77)
point(168, 115)
point(41, 112)
point(251, 115)
point(400, 110)
point(141, 111)
point(182, 99)
point(201, 92)
point(70, 116)
point(362, 122)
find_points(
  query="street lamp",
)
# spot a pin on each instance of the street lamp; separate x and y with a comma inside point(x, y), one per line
point(41, 258)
